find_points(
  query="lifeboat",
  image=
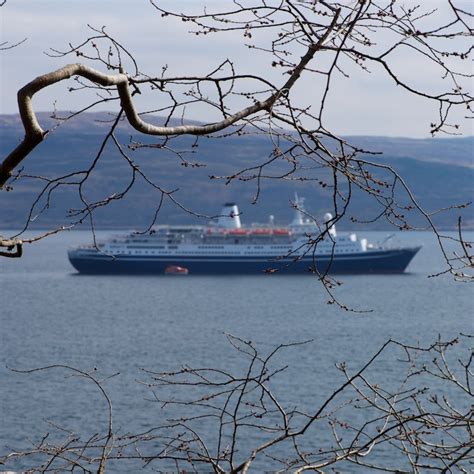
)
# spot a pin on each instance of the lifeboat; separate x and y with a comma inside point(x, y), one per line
point(281, 232)
point(262, 232)
point(237, 232)
point(176, 270)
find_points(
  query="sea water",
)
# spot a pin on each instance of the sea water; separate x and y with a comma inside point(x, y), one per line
point(111, 325)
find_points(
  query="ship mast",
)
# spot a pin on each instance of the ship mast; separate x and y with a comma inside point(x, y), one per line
point(299, 217)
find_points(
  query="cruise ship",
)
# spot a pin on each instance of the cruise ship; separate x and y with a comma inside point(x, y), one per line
point(225, 246)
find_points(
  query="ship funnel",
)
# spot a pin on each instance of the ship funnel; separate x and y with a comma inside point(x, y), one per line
point(332, 228)
point(230, 217)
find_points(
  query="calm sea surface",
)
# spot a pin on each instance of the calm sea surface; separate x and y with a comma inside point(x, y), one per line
point(51, 315)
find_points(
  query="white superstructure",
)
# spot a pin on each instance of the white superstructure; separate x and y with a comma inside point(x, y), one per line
point(227, 237)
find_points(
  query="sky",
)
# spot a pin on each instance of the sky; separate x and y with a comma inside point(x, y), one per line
point(364, 104)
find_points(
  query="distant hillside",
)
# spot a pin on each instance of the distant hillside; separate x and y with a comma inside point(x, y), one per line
point(440, 172)
point(451, 151)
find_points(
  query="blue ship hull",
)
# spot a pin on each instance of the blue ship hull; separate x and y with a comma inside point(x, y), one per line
point(373, 261)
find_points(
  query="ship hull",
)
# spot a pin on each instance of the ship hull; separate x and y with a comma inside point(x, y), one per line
point(370, 262)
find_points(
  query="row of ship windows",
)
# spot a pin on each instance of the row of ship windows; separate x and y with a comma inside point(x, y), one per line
point(220, 252)
point(203, 247)
point(206, 247)
point(149, 246)
point(165, 252)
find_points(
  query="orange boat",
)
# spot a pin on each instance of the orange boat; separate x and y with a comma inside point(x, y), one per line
point(263, 232)
point(176, 270)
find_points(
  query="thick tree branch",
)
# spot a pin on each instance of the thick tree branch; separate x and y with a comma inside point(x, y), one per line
point(34, 134)
point(14, 248)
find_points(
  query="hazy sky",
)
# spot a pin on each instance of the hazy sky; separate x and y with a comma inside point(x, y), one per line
point(365, 104)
